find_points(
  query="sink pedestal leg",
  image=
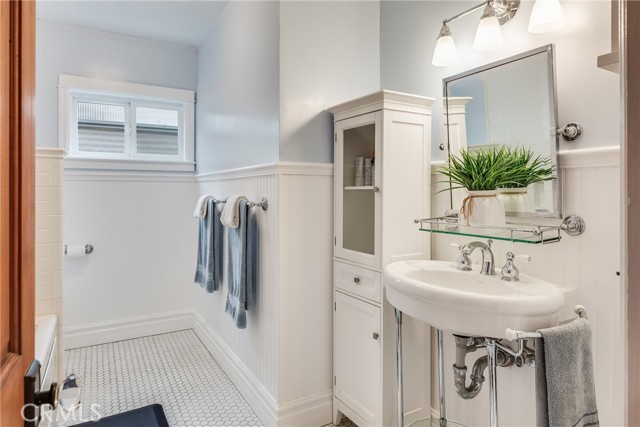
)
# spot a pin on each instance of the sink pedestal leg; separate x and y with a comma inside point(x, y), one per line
point(399, 366)
point(443, 411)
point(493, 386)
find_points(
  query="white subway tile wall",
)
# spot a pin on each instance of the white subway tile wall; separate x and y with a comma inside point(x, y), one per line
point(49, 236)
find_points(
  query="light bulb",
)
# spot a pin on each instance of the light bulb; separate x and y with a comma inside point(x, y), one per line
point(445, 53)
point(488, 33)
point(546, 16)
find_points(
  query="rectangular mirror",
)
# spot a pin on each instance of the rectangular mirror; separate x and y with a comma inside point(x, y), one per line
point(511, 102)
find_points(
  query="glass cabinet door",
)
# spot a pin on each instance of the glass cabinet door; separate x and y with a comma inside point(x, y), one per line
point(358, 170)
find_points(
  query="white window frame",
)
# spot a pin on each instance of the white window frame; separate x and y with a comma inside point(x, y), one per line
point(72, 89)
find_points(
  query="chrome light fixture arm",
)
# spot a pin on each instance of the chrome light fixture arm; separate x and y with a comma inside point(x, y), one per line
point(504, 10)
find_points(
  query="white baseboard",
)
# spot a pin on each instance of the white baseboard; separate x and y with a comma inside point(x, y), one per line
point(311, 411)
point(260, 400)
point(124, 329)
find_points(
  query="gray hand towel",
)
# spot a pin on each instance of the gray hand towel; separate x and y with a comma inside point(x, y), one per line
point(241, 252)
point(565, 390)
point(210, 249)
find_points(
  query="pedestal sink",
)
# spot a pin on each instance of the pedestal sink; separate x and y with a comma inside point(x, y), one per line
point(468, 303)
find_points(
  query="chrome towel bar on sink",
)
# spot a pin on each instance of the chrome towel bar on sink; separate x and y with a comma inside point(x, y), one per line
point(511, 334)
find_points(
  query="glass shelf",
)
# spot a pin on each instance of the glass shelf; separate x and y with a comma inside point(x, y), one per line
point(519, 233)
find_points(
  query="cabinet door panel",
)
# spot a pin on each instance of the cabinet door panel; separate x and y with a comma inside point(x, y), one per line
point(357, 206)
point(407, 185)
point(357, 356)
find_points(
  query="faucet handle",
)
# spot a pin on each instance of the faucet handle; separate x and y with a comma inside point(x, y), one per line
point(463, 263)
point(510, 272)
point(511, 256)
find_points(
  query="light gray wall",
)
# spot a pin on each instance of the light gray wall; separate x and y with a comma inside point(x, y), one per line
point(63, 49)
point(329, 53)
point(586, 94)
point(238, 86)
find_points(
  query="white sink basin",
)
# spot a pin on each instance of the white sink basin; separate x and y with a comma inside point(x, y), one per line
point(471, 304)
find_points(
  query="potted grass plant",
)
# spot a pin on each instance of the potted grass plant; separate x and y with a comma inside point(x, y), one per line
point(481, 172)
point(526, 169)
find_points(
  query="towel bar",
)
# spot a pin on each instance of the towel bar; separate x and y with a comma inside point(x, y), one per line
point(264, 203)
point(511, 334)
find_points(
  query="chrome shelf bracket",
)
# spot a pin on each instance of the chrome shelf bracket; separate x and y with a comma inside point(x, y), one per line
point(573, 225)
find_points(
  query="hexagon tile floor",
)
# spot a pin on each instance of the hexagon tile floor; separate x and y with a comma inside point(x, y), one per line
point(173, 369)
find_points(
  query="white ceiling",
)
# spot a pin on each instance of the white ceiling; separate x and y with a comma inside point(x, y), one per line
point(179, 21)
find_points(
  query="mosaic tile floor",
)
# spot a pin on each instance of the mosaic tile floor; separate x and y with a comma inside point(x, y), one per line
point(174, 369)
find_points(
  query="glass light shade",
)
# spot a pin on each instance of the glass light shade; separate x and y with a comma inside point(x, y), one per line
point(546, 16)
point(445, 53)
point(488, 34)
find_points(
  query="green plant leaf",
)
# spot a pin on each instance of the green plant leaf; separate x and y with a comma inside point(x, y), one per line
point(492, 168)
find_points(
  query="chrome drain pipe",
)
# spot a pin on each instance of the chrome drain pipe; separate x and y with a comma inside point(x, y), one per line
point(465, 345)
point(477, 378)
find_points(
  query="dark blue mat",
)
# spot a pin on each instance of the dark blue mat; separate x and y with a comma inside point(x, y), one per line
point(148, 416)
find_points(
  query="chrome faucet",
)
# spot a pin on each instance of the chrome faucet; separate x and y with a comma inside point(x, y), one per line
point(464, 262)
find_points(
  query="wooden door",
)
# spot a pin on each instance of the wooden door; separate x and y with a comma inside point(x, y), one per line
point(17, 204)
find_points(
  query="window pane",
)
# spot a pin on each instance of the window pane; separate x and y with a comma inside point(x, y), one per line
point(157, 131)
point(101, 127)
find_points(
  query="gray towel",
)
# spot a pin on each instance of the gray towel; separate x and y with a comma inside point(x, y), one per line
point(210, 249)
point(565, 391)
point(241, 253)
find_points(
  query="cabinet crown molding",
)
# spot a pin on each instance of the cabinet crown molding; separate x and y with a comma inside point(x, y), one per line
point(386, 99)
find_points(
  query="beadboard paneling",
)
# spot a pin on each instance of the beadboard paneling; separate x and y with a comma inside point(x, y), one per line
point(289, 329)
point(255, 346)
point(305, 297)
point(589, 262)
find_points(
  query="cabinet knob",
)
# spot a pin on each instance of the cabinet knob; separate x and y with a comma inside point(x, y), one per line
point(375, 335)
point(376, 189)
point(356, 280)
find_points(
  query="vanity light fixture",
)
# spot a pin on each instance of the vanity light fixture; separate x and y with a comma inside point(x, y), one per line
point(445, 53)
point(488, 33)
point(546, 16)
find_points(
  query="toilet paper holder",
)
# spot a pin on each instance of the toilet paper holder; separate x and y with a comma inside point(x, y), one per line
point(87, 249)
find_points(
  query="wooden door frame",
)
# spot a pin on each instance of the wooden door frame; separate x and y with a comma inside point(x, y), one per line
point(629, 19)
point(19, 247)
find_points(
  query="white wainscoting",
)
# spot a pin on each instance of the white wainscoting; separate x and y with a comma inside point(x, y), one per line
point(305, 324)
point(125, 329)
point(256, 346)
point(144, 238)
point(139, 280)
point(281, 362)
point(591, 186)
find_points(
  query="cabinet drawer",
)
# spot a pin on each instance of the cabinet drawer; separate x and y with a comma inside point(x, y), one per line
point(357, 280)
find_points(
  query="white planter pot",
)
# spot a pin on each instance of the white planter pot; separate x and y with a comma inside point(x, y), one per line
point(516, 199)
point(483, 208)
